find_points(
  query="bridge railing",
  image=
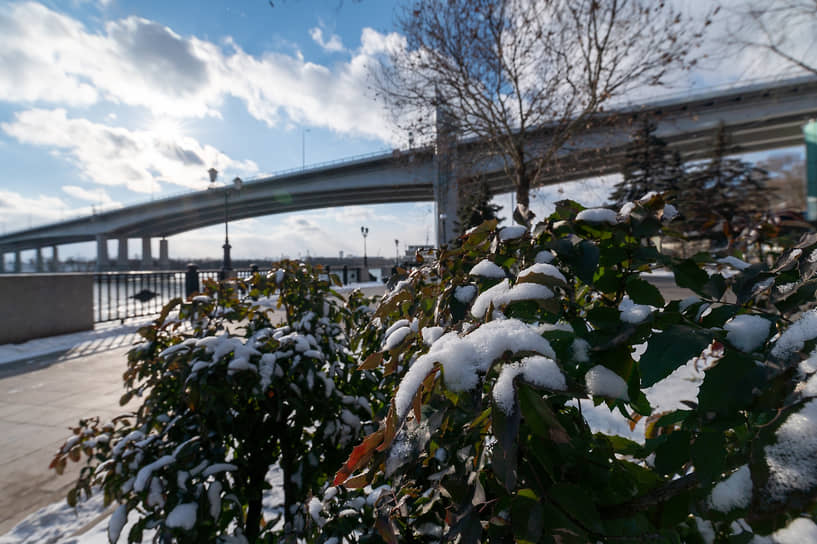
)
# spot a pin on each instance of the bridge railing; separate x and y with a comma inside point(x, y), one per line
point(123, 295)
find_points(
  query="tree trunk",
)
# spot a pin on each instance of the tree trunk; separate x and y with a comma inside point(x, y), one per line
point(522, 214)
point(255, 504)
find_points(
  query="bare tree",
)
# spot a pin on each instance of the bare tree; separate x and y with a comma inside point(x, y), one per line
point(785, 28)
point(505, 69)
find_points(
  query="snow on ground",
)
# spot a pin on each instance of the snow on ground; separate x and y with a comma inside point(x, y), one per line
point(108, 334)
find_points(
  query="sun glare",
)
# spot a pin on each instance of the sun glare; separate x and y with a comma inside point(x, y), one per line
point(168, 128)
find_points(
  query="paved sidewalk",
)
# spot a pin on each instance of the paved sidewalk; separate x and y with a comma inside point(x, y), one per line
point(36, 409)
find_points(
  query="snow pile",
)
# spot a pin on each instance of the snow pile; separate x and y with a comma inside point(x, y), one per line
point(597, 215)
point(536, 370)
point(792, 460)
point(464, 358)
point(795, 337)
point(799, 531)
point(487, 269)
point(502, 294)
point(512, 232)
point(603, 382)
point(465, 293)
point(431, 334)
point(544, 269)
point(632, 312)
point(747, 332)
point(733, 492)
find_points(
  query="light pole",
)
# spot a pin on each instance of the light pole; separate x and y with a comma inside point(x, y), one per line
point(443, 238)
point(227, 263)
point(365, 232)
point(396, 252)
point(303, 148)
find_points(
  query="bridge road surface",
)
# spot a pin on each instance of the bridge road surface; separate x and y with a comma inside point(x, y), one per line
point(42, 397)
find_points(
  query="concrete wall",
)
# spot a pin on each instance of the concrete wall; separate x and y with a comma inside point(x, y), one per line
point(35, 306)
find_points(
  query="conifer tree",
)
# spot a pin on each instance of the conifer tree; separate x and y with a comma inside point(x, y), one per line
point(649, 165)
point(476, 207)
point(724, 199)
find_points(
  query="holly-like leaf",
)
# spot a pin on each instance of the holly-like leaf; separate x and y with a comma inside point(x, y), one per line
point(643, 292)
point(670, 349)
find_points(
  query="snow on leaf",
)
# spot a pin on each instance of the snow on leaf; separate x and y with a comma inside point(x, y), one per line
point(487, 269)
point(603, 382)
point(183, 516)
point(733, 492)
point(537, 370)
point(747, 332)
point(792, 461)
point(118, 520)
point(597, 215)
point(794, 338)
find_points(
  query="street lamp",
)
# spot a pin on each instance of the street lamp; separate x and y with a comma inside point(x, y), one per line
point(443, 217)
point(365, 232)
point(227, 263)
point(396, 252)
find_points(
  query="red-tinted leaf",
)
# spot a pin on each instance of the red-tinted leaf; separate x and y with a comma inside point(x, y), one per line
point(372, 361)
point(359, 456)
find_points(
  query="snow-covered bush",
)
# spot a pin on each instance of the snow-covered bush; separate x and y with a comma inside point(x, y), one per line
point(228, 392)
point(492, 353)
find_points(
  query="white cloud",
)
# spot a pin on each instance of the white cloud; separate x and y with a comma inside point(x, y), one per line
point(107, 155)
point(333, 45)
point(49, 57)
point(97, 196)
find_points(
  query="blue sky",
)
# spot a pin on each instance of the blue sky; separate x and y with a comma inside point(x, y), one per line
point(110, 103)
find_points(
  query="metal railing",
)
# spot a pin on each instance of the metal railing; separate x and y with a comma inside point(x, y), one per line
point(123, 295)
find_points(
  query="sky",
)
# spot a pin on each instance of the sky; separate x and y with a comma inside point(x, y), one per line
point(109, 103)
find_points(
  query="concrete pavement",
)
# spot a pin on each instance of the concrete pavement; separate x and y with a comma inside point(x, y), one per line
point(36, 410)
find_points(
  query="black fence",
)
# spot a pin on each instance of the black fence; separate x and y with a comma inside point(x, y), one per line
point(122, 295)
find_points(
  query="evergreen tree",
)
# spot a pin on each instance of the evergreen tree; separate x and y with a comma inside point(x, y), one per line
point(475, 207)
point(724, 199)
point(649, 165)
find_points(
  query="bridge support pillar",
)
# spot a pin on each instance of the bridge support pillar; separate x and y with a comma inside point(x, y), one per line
point(147, 259)
point(101, 252)
point(446, 193)
point(18, 262)
point(164, 256)
point(55, 259)
point(810, 133)
point(122, 254)
point(38, 256)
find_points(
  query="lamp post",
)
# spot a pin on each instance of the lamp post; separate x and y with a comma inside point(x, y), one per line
point(365, 232)
point(443, 238)
point(227, 263)
point(303, 148)
point(396, 252)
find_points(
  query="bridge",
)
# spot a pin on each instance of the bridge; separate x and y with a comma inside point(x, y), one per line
point(757, 117)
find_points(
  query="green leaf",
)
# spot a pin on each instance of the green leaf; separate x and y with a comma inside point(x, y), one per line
point(709, 456)
point(719, 315)
point(715, 286)
point(575, 499)
point(670, 349)
point(688, 274)
point(673, 453)
point(730, 385)
point(643, 292)
point(584, 260)
point(527, 516)
point(539, 416)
